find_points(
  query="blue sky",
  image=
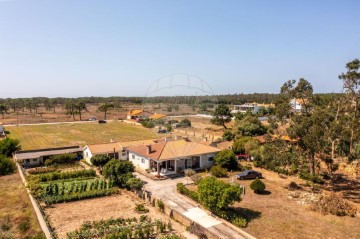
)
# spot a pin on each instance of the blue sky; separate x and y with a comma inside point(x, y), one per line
point(119, 48)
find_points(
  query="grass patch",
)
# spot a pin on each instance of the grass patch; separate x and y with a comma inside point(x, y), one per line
point(57, 135)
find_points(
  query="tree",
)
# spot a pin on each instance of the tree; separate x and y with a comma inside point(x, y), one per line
point(100, 160)
point(250, 126)
point(185, 123)
point(244, 145)
point(119, 171)
point(105, 108)
point(226, 159)
point(9, 146)
point(70, 107)
point(222, 115)
point(351, 86)
point(217, 195)
point(80, 106)
point(3, 110)
point(7, 166)
point(228, 135)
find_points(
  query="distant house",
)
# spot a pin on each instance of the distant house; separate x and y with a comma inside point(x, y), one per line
point(137, 115)
point(297, 104)
point(169, 157)
point(252, 107)
point(117, 150)
point(32, 158)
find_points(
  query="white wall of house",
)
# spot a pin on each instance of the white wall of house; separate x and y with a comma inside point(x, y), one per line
point(33, 162)
point(207, 160)
point(1, 129)
point(139, 162)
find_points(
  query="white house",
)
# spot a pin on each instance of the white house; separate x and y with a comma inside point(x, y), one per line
point(297, 104)
point(169, 157)
point(117, 150)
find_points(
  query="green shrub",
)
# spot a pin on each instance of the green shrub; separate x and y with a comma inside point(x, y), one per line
point(160, 204)
point(79, 196)
point(61, 159)
point(5, 223)
point(100, 160)
point(226, 159)
point(134, 183)
point(141, 208)
point(180, 187)
point(7, 166)
point(257, 186)
point(218, 171)
point(185, 123)
point(47, 177)
point(239, 222)
point(42, 170)
point(24, 225)
point(9, 146)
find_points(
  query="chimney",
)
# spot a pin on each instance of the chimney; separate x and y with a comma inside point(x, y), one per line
point(148, 148)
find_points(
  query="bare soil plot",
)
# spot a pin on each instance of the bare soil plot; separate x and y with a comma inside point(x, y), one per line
point(16, 206)
point(68, 217)
point(45, 136)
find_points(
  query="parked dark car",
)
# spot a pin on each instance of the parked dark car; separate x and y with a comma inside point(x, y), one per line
point(249, 174)
point(102, 121)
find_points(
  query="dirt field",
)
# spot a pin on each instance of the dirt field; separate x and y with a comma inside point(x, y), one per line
point(45, 136)
point(15, 205)
point(68, 217)
point(275, 215)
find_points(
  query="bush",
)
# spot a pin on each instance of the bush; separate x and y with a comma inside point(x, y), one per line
point(47, 177)
point(226, 159)
point(141, 208)
point(7, 166)
point(185, 123)
point(312, 178)
point(180, 187)
point(218, 171)
point(217, 195)
point(79, 196)
point(134, 184)
point(228, 135)
point(257, 186)
point(189, 172)
point(160, 204)
point(335, 205)
point(239, 222)
point(61, 159)
point(24, 225)
point(42, 170)
point(100, 160)
point(293, 186)
point(119, 171)
point(9, 146)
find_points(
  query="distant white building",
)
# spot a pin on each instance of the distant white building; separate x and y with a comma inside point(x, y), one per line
point(252, 107)
point(2, 131)
point(297, 104)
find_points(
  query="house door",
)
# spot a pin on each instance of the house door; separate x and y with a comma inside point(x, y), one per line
point(188, 163)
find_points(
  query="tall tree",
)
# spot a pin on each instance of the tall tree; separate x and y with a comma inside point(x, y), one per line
point(3, 110)
point(105, 108)
point(222, 116)
point(351, 86)
point(80, 106)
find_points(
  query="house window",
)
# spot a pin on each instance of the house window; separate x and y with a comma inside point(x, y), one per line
point(87, 154)
point(34, 160)
point(210, 159)
point(133, 156)
point(142, 160)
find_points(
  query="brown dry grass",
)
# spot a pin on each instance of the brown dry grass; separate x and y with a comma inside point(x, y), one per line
point(274, 215)
point(66, 217)
point(15, 204)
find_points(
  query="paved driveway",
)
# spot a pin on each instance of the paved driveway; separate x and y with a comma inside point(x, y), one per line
point(166, 190)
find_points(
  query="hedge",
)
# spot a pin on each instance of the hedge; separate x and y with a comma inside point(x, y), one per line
point(183, 190)
point(65, 175)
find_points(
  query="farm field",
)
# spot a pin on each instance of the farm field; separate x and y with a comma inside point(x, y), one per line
point(66, 217)
point(57, 135)
point(275, 215)
point(16, 209)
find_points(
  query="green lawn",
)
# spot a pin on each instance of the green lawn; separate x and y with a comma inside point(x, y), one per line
point(46, 136)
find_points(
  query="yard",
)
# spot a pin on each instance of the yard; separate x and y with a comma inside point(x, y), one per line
point(275, 215)
point(56, 135)
point(16, 210)
point(66, 217)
